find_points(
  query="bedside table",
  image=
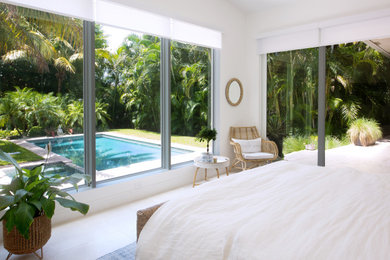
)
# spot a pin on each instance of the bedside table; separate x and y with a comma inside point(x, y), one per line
point(221, 162)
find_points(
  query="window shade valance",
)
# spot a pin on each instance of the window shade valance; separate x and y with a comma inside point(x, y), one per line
point(125, 17)
point(349, 29)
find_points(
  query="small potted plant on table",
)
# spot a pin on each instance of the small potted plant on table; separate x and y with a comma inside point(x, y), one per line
point(29, 204)
point(206, 135)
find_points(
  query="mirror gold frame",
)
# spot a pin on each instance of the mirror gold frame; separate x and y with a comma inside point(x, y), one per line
point(227, 92)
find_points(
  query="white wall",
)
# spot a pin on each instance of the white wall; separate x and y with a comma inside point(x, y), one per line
point(309, 11)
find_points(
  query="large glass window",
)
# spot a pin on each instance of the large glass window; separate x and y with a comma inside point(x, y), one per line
point(42, 99)
point(127, 102)
point(292, 80)
point(41, 89)
point(190, 99)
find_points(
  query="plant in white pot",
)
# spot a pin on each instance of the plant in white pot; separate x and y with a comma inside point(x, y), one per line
point(206, 135)
point(29, 204)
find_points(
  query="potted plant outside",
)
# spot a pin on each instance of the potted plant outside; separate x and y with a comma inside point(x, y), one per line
point(206, 135)
point(364, 132)
point(276, 131)
point(29, 204)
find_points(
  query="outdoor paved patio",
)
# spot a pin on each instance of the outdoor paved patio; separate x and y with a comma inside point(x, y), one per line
point(375, 158)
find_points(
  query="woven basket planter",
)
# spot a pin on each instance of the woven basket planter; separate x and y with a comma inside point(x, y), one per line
point(40, 232)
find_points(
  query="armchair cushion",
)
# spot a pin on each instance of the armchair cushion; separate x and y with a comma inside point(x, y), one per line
point(249, 146)
point(256, 156)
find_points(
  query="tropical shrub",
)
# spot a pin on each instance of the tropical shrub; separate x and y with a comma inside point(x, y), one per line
point(334, 142)
point(75, 115)
point(8, 134)
point(35, 114)
point(297, 143)
point(364, 132)
point(36, 131)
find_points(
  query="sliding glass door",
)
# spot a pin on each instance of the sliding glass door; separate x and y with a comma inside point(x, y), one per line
point(292, 97)
point(358, 105)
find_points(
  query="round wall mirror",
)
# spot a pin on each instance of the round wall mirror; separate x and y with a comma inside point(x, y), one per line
point(234, 92)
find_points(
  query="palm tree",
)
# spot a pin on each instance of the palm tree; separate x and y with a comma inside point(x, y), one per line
point(64, 57)
point(40, 38)
point(113, 66)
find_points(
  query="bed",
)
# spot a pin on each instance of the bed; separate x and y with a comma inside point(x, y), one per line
point(280, 211)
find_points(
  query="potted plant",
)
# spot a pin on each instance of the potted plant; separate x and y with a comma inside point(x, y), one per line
point(29, 204)
point(364, 132)
point(276, 131)
point(206, 135)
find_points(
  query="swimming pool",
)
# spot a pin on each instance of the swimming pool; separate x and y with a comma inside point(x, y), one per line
point(111, 152)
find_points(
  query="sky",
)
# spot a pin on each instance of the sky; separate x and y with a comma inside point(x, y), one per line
point(115, 36)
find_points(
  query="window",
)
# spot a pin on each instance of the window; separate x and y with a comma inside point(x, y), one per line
point(41, 75)
point(190, 98)
point(42, 92)
point(127, 102)
point(292, 80)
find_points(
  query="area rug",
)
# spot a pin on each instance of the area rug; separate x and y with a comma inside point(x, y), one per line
point(124, 253)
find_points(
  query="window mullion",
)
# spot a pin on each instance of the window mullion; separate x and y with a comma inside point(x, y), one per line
point(321, 104)
point(89, 100)
point(165, 103)
point(214, 96)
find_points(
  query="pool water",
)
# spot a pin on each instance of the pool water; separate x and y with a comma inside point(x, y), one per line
point(111, 152)
point(58, 168)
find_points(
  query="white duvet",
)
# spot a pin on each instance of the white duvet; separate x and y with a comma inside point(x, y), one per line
point(280, 211)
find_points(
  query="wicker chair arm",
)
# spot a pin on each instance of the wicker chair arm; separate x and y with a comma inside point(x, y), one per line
point(144, 215)
point(236, 147)
point(270, 147)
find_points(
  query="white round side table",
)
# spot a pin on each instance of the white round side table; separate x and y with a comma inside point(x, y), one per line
point(220, 162)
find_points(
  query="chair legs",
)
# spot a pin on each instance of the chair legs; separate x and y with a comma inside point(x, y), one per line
point(236, 162)
point(243, 165)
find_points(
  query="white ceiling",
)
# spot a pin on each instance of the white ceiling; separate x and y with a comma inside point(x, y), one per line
point(381, 45)
point(250, 6)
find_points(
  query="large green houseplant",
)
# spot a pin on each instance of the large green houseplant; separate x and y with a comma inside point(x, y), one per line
point(31, 195)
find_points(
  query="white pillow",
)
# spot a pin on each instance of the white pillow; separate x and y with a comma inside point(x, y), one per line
point(249, 146)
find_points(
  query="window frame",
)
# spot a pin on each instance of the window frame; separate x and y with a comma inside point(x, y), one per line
point(165, 105)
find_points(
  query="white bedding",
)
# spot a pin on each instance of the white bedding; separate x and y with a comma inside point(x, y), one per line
point(280, 211)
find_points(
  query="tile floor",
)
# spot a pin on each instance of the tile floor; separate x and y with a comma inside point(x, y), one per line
point(96, 235)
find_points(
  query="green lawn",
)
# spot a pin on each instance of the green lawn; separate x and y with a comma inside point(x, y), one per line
point(186, 140)
point(21, 154)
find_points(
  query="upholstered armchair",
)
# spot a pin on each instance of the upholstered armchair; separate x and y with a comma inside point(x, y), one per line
point(250, 148)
